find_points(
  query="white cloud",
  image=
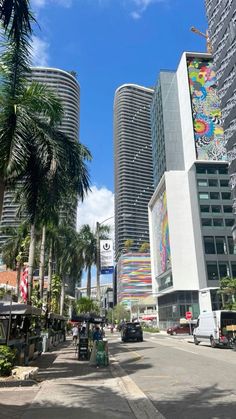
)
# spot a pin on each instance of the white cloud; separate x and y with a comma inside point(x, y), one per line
point(40, 54)
point(97, 206)
point(38, 4)
point(141, 6)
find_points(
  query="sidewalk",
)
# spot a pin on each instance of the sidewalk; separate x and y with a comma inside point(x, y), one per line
point(70, 389)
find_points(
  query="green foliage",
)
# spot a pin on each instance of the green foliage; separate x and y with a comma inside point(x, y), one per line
point(228, 292)
point(35, 297)
point(7, 360)
point(144, 248)
point(128, 244)
point(87, 305)
point(55, 293)
point(120, 313)
point(151, 329)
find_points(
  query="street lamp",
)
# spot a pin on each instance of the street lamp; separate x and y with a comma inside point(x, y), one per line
point(98, 224)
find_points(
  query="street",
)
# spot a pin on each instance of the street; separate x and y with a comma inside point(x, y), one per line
point(182, 380)
point(163, 377)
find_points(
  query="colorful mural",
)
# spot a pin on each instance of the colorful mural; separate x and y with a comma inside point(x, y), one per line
point(161, 226)
point(134, 277)
point(208, 130)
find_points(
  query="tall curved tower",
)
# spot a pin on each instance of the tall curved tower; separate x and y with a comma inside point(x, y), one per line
point(66, 87)
point(133, 165)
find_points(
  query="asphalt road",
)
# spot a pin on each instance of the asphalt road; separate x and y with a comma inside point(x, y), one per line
point(182, 380)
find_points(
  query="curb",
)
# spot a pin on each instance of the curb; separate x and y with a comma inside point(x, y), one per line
point(18, 383)
point(139, 403)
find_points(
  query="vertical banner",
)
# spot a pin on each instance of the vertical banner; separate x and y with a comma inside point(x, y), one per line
point(106, 257)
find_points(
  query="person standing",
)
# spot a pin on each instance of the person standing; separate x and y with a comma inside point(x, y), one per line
point(75, 333)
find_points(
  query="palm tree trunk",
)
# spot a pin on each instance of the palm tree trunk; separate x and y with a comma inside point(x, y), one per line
point(89, 282)
point(49, 278)
point(42, 262)
point(31, 261)
point(18, 274)
point(62, 296)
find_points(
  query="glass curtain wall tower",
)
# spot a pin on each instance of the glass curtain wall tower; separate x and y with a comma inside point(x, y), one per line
point(133, 165)
point(221, 16)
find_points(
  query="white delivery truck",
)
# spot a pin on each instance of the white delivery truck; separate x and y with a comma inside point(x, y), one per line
point(215, 327)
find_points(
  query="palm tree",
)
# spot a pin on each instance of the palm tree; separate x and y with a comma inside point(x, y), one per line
point(49, 165)
point(88, 245)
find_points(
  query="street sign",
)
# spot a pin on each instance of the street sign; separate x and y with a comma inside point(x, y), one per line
point(188, 315)
point(106, 257)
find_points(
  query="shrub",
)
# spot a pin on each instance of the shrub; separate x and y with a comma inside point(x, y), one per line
point(151, 329)
point(7, 360)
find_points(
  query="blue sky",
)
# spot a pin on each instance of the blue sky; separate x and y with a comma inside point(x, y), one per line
point(109, 43)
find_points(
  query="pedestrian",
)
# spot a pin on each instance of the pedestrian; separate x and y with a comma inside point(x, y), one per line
point(75, 333)
point(97, 335)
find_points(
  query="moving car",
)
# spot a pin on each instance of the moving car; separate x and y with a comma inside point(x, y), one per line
point(132, 331)
point(179, 329)
point(214, 327)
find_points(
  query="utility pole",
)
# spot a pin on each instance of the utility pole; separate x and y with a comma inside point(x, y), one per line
point(98, 261)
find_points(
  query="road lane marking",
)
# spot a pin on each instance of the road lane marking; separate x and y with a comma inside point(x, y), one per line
point(174, 347)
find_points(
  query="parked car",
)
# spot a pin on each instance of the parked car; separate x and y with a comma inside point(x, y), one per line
point(214, 327)
point(179, 329)
point(131, 331)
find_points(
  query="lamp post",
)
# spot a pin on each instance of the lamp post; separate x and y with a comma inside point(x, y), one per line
point(98, 224)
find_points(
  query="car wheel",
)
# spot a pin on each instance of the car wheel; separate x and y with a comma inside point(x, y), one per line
point(196, 341)
point(213, 342)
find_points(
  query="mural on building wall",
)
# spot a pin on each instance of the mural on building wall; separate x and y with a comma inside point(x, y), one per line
point(208, 130)
point(135, 280)
point(161, 234)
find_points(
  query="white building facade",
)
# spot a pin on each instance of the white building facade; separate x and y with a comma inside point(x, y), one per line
point(189, 218)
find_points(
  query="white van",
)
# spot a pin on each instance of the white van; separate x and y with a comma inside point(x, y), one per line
point(212, 327)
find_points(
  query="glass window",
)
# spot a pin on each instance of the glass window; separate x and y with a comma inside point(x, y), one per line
point(229, 222)
point(211, 170)
point(223, 170)
point(224, 182)
point(227, 208)
point(203, 195)
point(202, 182)
point(213, 182)
point(216, 208)
point(206, 222)
point(231, 246)
point(226, 195)
point(233, 268)
point(214, 195)
point(205, 208)
point(218, 222)
point(209, 245)
point(223, 269)
point(212, 271)
point(221, 246)
point(200, 169)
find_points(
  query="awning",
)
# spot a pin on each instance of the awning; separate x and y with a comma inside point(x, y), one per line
point(151, 317)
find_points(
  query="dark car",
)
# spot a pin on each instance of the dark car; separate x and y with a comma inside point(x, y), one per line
point(132, 331)
point(179, 329)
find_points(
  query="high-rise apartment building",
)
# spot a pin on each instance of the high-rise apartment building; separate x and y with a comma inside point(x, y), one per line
point(133, 165)
point(190, 211)
point(67, 88)
point(221, 16)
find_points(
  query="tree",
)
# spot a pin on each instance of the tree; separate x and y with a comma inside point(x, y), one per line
point(144, 248)
point(87, 246)
point(120, 313)
point(228, 292)
point(86, 305)
point(128, 244)
point(49, 165)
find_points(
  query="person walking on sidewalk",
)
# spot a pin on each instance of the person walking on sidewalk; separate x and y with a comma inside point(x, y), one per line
point(75, 333)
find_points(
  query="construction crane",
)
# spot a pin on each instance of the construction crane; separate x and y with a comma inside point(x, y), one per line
point(206, 36)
